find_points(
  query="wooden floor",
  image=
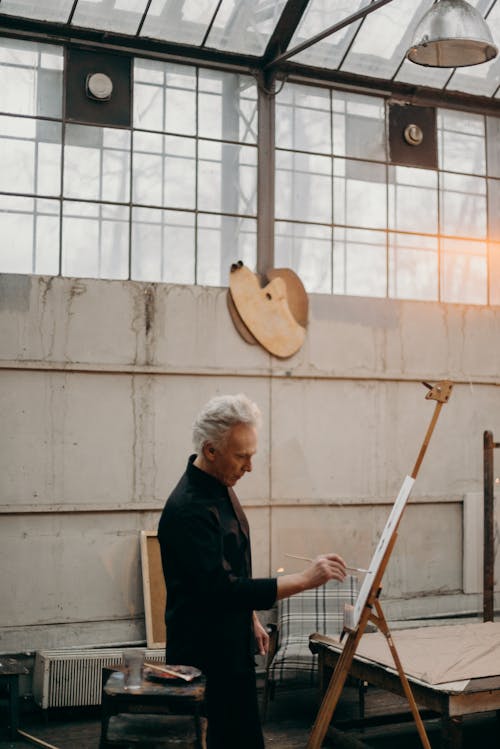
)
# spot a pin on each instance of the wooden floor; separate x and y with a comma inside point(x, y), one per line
point(291, 715)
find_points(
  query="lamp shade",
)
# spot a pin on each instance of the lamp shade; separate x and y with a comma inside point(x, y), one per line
point(452, 34)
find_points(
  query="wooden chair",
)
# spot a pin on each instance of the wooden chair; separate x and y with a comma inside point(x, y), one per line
point(290, 661)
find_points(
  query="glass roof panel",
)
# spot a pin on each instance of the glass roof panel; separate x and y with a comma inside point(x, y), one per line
point(320, 15)
point(41, 10)
point(184, 22)
point(419, 75)
point(374, 47)
point(245, 25)
point(121, 16)
point(481, 79)
point(383, 39)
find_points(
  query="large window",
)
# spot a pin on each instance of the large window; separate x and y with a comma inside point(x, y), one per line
point(171, 199)
point(350, 222)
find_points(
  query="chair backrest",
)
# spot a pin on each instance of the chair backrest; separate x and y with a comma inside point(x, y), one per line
point(318, 610)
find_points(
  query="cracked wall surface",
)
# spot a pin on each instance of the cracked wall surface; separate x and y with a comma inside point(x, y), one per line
point(100, 382)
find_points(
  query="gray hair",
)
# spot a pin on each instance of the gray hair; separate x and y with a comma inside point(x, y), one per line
point(219, 415)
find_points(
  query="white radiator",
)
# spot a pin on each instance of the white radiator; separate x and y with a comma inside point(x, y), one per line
point(70, 678)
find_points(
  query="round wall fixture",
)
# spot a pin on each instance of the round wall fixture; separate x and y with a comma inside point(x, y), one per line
point(413, 135)
point(99, 86)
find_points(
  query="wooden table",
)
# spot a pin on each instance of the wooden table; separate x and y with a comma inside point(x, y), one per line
point(451, 701)
point(10, 671)
point(176, 698)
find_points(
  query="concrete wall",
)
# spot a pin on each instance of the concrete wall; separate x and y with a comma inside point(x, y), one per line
point(100, 382)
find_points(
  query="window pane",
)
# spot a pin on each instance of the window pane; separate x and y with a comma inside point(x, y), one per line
point(360, 193)
point(493, 141)
point(123, 16)
point(223, 240)
point(382, 40)
point(303, 187)
point(463, 271)
point(185, 23)
point(30, 154)
point(47, 236)
point(30, 78)
point(318, 16)
point(165, 97)
point(49, 10)
point(413, 267)
point(227, 178)
point(307, 250)
point(461, 145)
point(244, 26)
point(303, 119)
point(494, 280)
point(95, 240)
point(463, 205)
point(409, 72)
point(413, 199)
point(164, 170)
point(227, 106)
point(97, 163)
point(359, 262)
point(358, 126)
point(30, 235)
point(163, 246)
point(494, 209)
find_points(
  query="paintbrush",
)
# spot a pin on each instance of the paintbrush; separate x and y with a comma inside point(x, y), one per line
point(308, 559)
point(166, 670)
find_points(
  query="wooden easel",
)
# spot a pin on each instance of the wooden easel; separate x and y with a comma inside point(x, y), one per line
point(440, 392)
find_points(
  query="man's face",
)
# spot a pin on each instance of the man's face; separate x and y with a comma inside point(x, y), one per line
point(233, 458)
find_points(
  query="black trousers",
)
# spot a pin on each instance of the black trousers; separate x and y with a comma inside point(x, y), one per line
point(233, 712)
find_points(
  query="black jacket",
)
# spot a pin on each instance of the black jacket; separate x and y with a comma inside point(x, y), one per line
point(205, 551)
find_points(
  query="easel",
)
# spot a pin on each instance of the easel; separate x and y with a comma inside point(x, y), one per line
point(440, 392)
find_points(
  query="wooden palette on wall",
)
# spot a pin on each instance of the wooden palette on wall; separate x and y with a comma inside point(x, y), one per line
point(274, 315)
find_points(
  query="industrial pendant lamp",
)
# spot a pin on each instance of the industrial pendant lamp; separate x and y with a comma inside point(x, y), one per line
point(452, 34)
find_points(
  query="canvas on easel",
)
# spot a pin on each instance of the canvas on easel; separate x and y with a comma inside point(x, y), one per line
point(352, 613)
point(367, 607)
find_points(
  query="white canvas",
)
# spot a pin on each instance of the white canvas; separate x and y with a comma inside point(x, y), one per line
point(352, 614)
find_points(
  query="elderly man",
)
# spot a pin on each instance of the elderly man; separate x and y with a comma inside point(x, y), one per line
point(211, 595)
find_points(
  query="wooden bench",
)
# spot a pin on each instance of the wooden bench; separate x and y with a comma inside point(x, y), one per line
point(158, 715)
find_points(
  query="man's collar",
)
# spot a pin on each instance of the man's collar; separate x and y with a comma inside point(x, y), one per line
point(204, 479)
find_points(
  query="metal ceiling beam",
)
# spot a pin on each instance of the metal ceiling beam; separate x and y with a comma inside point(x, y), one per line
point(49, 32)
point(407, 92)
point(212, 21)
point(72, 12)
point(143, 19)
point(61, 33)
point(285, 29)
point(362, 13)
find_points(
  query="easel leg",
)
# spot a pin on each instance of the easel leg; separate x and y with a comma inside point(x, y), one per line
point(332, 694)
point(382, 625)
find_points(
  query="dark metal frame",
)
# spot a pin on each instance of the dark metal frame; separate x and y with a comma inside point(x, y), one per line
point(489, 528)
point(272, 65)
point(269, 69)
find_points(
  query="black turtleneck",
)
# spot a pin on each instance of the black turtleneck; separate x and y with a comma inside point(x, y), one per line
point(205, 549)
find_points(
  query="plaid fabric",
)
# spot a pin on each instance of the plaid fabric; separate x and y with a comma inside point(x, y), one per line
point(319, 610)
